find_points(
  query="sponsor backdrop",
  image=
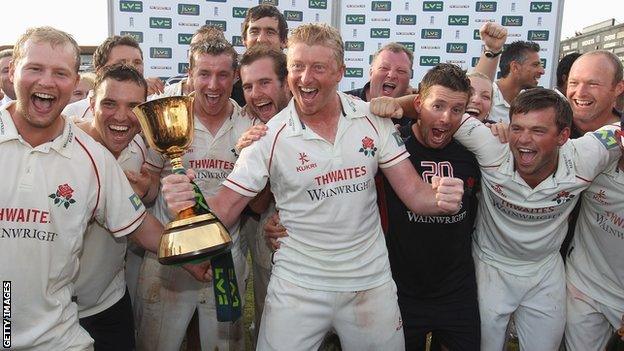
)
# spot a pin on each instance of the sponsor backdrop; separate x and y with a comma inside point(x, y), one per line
point(437, 31)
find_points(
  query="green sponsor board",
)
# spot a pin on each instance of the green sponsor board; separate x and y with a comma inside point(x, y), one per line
point(406, 20)
point(317, 4)
point(431, 33)
point(458, 20)
point(543, 61)
point(354, 72)
point(456, 48)
point(188, 9)
point(161, 53)
point(296, 16)
point(411, 46)
point(512, 21)
point(268, 2)
point(160, 22)
point(429, 60)
point(475, 60)
point(184, 38)
point(138, 36)
point(476, 35)
point(222, 25)
point(237, 40)
point(239, 12)
point(354, 46)
point(540, 6)
point(436, 6)
point(381, 5)
point(380, 33)
point(131, 6)
point(485, 6)
point(538, 35)
point(183, 67)
point(355, 19)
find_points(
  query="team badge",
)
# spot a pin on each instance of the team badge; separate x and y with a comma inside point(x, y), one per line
point(135, 201)
point(368, 147)
point(607, 138)
point(563, 197)
point(63, 196)
point(398, 139)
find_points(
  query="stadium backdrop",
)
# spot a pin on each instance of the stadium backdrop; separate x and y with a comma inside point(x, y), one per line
point(436, 31)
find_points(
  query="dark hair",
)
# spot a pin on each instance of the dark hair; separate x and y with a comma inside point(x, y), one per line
point(563, 68)
point(208, 32)
point(397, 49)
point(265, 10)
point(100, 56)
point(515, 51)
point(540, 99)
point(260, 51)
point(213, 47)
point(121, 73)
point(447, 75)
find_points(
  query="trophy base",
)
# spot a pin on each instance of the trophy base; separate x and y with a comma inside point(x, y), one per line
point(193, 239)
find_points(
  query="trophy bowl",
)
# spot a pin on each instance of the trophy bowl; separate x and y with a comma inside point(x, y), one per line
point(196, 233)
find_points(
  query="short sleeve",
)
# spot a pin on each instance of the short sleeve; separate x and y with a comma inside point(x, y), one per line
point(478, 139)
point(595, 151)
point(392, 148)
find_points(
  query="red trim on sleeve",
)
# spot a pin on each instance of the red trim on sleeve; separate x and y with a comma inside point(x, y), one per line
point(464, 121)
point(153, 165)
point(394, 158)
point(97, 176)
point(583, 179)
point(372, 125)
point(141, 149)
point(273, 149)
point(129, 225)
point(240, 186)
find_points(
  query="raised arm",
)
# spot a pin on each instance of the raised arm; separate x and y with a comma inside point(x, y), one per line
point(493, 36)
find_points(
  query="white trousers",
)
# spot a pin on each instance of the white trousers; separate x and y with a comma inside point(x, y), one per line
point(538, 304)
point(170, 295)
point(590, 323)
point(297, 318)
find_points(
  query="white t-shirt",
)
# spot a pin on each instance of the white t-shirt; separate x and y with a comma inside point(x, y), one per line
point(79, 110)
point(519, 229)
point(212, 158)
point(101, 282)
point(326, 196)
point(500, 107)
point(596, 265)
point(49, 195)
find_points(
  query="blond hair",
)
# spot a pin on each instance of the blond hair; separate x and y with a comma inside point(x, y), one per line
point(319, 34)
point(46, 35)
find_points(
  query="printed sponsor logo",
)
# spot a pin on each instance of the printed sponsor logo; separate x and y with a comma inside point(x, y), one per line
point(6, 314)
point(188, 9)
point(222, 25)
point(131, 6)
point(381, 5)
point(538, 35)
point(456, 48)
point(411, 46)
point(380, 33)
point(431, 33)
point(408, 20)
point(485, 6)
point(184, 38)
point(165, 53)
point(354, 72)
point(475, 60)
point(183, 67)
point(458, 20)
point(161, 8)
point(268, 2)
point(239, 12)
point(296, 16)
point(543, 61)
point(317, 4)
point(356, 19)
point(429, 60)
point(429, 6)
point(138, 36)
point(540, 6)
point(237, 40)
point(160, 22)
point(354, 46)
point(512, 21)
point(476, 35)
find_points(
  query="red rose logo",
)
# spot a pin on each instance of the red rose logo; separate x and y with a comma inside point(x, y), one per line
point(470, 182)
point(368, 147)
point(65, 191)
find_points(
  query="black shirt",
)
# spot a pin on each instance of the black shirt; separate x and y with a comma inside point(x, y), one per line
point(430, 256)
